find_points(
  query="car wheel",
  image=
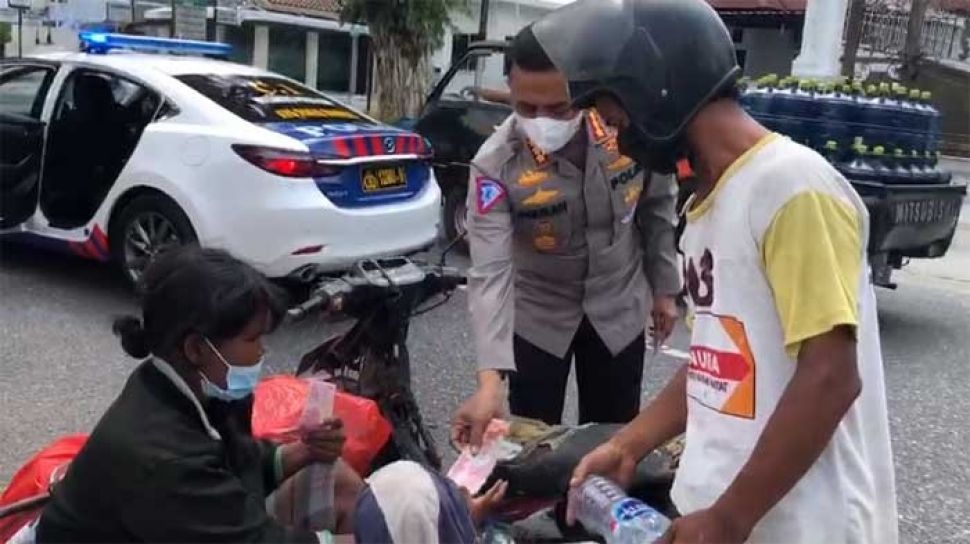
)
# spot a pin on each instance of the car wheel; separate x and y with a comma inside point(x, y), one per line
point(456, 215)
point(146, 227)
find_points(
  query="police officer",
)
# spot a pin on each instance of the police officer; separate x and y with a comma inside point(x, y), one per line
point(568, 240)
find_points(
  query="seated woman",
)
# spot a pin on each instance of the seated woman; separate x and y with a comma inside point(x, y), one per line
point(173, 459)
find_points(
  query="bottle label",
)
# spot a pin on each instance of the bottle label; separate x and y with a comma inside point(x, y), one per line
point(629, 509)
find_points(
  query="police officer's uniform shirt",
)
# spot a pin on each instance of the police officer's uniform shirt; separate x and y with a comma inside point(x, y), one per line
point(551, 243)
point(773, 257)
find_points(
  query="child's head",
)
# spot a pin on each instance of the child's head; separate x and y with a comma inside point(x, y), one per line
point(203, 308)
point(405, 502)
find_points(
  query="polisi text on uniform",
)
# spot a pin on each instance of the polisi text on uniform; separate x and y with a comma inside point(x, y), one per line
point(625, 177)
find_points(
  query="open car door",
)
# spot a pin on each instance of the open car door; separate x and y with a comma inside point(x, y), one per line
point(23, 89)
point(461, 113)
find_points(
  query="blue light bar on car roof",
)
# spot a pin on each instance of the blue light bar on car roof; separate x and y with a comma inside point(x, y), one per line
point(102, 42)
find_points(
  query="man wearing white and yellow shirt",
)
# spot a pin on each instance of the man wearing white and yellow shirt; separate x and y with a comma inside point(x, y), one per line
point(783, 399)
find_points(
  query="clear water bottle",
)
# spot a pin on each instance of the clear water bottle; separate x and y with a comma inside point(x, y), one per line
point(603, 508)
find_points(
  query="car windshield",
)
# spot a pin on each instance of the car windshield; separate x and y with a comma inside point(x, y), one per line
point(267, 99)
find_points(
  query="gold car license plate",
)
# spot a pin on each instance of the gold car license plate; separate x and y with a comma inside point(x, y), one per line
point(374, 180)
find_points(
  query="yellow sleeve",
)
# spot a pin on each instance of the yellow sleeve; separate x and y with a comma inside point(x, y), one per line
point(812, 257)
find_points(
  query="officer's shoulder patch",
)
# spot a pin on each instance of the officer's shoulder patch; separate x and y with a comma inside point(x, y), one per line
point(488, 193)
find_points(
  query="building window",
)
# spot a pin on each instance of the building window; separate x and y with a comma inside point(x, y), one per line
point(737, 34)
point(741, 55)
point(363, 64)
point(287, 51)
point(459, 45)
point(333, 61)
point(240, 38)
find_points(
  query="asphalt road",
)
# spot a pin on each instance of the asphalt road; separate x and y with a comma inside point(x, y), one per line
point(61, 368)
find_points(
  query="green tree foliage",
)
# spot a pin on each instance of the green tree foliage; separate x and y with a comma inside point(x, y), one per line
point(404, 33)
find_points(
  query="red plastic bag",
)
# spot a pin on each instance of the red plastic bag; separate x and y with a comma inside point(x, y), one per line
point(34, 478)
point(279, 402)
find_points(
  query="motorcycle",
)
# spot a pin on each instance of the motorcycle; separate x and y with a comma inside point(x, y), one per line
point(371, 360)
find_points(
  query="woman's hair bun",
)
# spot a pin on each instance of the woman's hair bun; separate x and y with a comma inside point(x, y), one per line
point(132, 334)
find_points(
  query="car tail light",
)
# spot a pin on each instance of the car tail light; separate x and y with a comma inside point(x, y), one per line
point(282, 162)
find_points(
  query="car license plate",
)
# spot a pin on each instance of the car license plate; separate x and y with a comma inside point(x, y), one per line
point(920, 212)
point(374, 180)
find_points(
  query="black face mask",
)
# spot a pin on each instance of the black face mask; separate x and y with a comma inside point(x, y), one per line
point(658, 159)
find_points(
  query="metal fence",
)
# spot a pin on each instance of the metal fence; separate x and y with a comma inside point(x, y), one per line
point(885, 32)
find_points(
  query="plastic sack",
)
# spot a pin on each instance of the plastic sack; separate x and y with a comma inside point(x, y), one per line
point(34, 478)
point(279, 404)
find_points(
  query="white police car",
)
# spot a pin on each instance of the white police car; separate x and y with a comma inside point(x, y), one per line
point(118, 155)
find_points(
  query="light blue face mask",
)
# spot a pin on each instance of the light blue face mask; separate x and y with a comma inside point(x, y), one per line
point(240, 380)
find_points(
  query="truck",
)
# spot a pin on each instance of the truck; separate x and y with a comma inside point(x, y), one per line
point(907, 221)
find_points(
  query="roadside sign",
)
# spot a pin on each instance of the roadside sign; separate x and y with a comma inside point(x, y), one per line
point(190, 19)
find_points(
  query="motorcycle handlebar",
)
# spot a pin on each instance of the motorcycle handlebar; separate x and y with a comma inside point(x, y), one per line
point(318, 300)
point(439, 279)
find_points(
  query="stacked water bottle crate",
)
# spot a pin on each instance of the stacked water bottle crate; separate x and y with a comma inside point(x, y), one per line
point(883, 132)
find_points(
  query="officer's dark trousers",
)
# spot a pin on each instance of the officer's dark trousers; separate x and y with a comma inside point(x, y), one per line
point(609, 387)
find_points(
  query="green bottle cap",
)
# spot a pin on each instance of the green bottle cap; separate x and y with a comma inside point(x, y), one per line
point(898, 152)
point(879, 150)
point(862, 149)
point(872, 90)
point(832, 145)
point(914, 94)
point(926, 95)
point(857, 141)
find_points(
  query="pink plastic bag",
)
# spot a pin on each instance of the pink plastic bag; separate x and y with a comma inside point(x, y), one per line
point(278, 410)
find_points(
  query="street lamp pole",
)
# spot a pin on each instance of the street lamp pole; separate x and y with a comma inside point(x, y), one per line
point(483, 21)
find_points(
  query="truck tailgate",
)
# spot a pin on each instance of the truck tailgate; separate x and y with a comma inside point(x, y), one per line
point(911, 220)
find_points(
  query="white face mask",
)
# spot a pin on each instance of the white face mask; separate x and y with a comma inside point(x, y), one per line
point(549, 134)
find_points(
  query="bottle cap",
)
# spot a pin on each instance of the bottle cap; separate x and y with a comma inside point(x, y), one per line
point(898, 152)
point(879, 150)
point(914, 94)
point(926, 95)
point(857, 141)
point(872, 90)
point(862, 149)
point(832, 145)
